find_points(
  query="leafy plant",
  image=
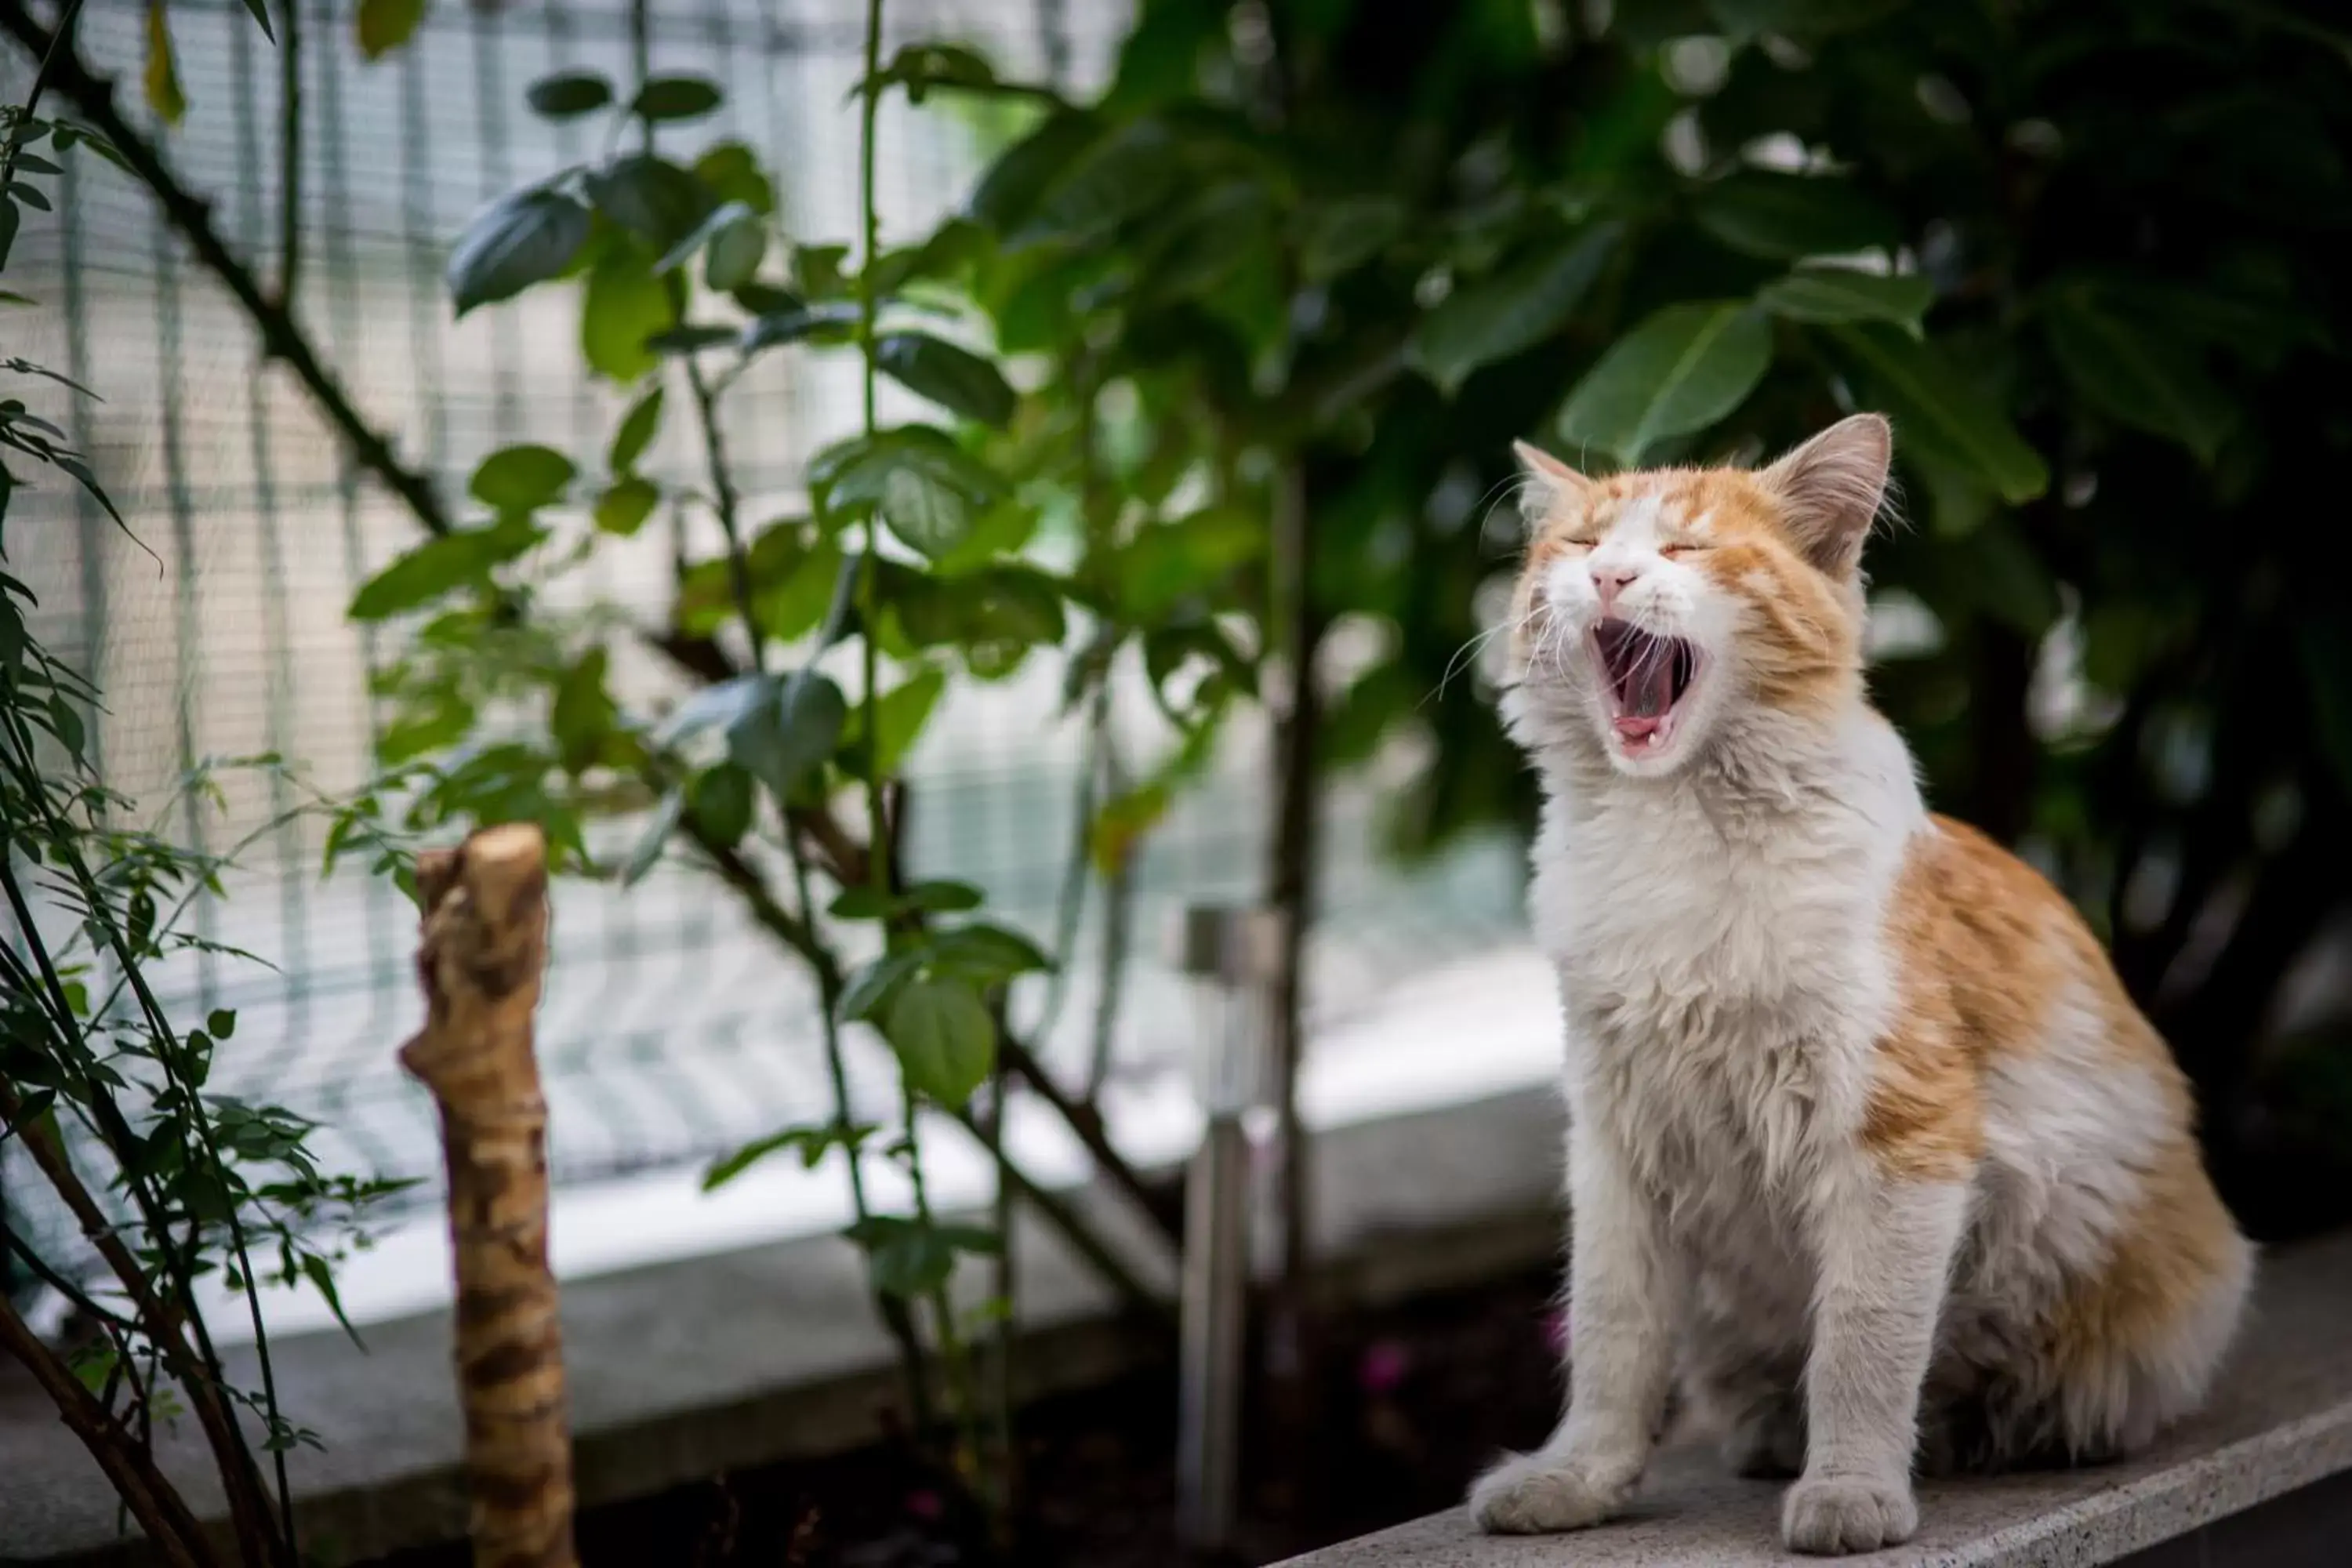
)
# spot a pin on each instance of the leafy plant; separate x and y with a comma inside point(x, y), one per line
point(100, 1088)
point(2084, 256)
point(819, 644)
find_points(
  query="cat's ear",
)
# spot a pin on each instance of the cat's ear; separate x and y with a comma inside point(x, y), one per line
point(1551, 483)
point(1830, 487)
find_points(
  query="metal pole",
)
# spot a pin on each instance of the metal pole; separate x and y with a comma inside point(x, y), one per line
point(1232, 955)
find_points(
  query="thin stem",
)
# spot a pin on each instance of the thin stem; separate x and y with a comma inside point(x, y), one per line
point(290, 156)
point(894, 1313)
point(728, 505)
point(1117, 930)
point(877, 855)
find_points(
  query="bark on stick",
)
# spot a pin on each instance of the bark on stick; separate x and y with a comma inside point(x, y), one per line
point(484, 944)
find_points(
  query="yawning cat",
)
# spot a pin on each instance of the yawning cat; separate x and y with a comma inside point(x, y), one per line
point(1866, 1143)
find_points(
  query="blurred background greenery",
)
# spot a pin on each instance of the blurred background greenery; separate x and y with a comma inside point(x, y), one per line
point(2089, 256)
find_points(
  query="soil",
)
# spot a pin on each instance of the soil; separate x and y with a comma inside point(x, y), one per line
point(1411, 1401)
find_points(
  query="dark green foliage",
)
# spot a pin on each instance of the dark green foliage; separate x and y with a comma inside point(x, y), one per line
point(2088, 257)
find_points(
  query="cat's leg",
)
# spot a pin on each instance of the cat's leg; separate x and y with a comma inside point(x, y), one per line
point(1883, 1245)
point(1622, 1300)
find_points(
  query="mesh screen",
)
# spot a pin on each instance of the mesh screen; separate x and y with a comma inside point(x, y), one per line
point(671, 1028)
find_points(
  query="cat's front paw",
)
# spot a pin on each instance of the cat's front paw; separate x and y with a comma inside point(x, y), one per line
point(1829, 1516)
point(1537, 1494)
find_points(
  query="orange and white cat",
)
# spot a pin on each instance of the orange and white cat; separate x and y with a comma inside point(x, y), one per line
point(1868, 1146)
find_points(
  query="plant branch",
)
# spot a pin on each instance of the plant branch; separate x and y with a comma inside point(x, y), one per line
point(372, 451)
point(136, 1480)
point(281, 336)
point(290, 155)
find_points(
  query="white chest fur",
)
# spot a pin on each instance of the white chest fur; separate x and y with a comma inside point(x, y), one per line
point(1724, 975)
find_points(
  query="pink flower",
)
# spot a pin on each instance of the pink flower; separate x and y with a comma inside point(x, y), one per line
point(1382, 1366)
point(925, 1505)
point(1556, 1331)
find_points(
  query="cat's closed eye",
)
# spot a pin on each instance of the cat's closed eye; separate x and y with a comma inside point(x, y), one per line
point(1678, 548)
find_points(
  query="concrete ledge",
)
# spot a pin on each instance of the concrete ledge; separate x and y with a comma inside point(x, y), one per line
point(2281, 1421)
point(771, 1352)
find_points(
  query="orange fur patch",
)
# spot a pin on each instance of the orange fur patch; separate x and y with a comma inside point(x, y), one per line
point(1979, 941)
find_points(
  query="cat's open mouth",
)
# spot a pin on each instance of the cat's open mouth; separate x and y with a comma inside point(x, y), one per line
point(1643, 677)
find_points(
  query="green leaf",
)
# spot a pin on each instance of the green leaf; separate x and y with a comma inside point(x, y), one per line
point(635, 433)
point(582, 713)
point(943, 1037)
point(816, 272)
point(385, 25)
point(928, 489)
point(986, 955)
point(259, 11)
point(871, 989)
point(720, 218)
point(955, 377)
point(722, 800)
point(736, 252)
point(1009, 192)
point(648, 851)
point(666, 97)
point(1168, 563)
point(810, 1142)
point(717, 706)
point(13, 639)
point(623, 509)
point(900, 714)
point(438, 567)
point(829, 321)
point(789, 731)
point(1129, 171)
point(691, 339)
point(1500, 316)
point(1783, 218)
point(222, 1022)
point(321, 1276)
point(1345, 233)
point(1680, 371)
point(2132, 374)
point(650, 197)
point(522, 238)
point(1930, 402)
point(67, 725)
point(521, 479)
point(162, 75)
point(864, 903)
point(1006, 606)
point(922, 66)
point(567, 95)
point(732, 172)
point(912, 1262)
point(1836, 296)
point(622, 306)
point(1229, 232)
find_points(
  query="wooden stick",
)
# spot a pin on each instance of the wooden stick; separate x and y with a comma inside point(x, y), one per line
point(485, 941)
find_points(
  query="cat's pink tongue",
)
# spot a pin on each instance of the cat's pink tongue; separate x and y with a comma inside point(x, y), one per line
point(1636, 727)
point(1653, 690)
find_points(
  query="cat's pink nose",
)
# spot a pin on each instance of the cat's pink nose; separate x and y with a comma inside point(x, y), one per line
point(1611, 581)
